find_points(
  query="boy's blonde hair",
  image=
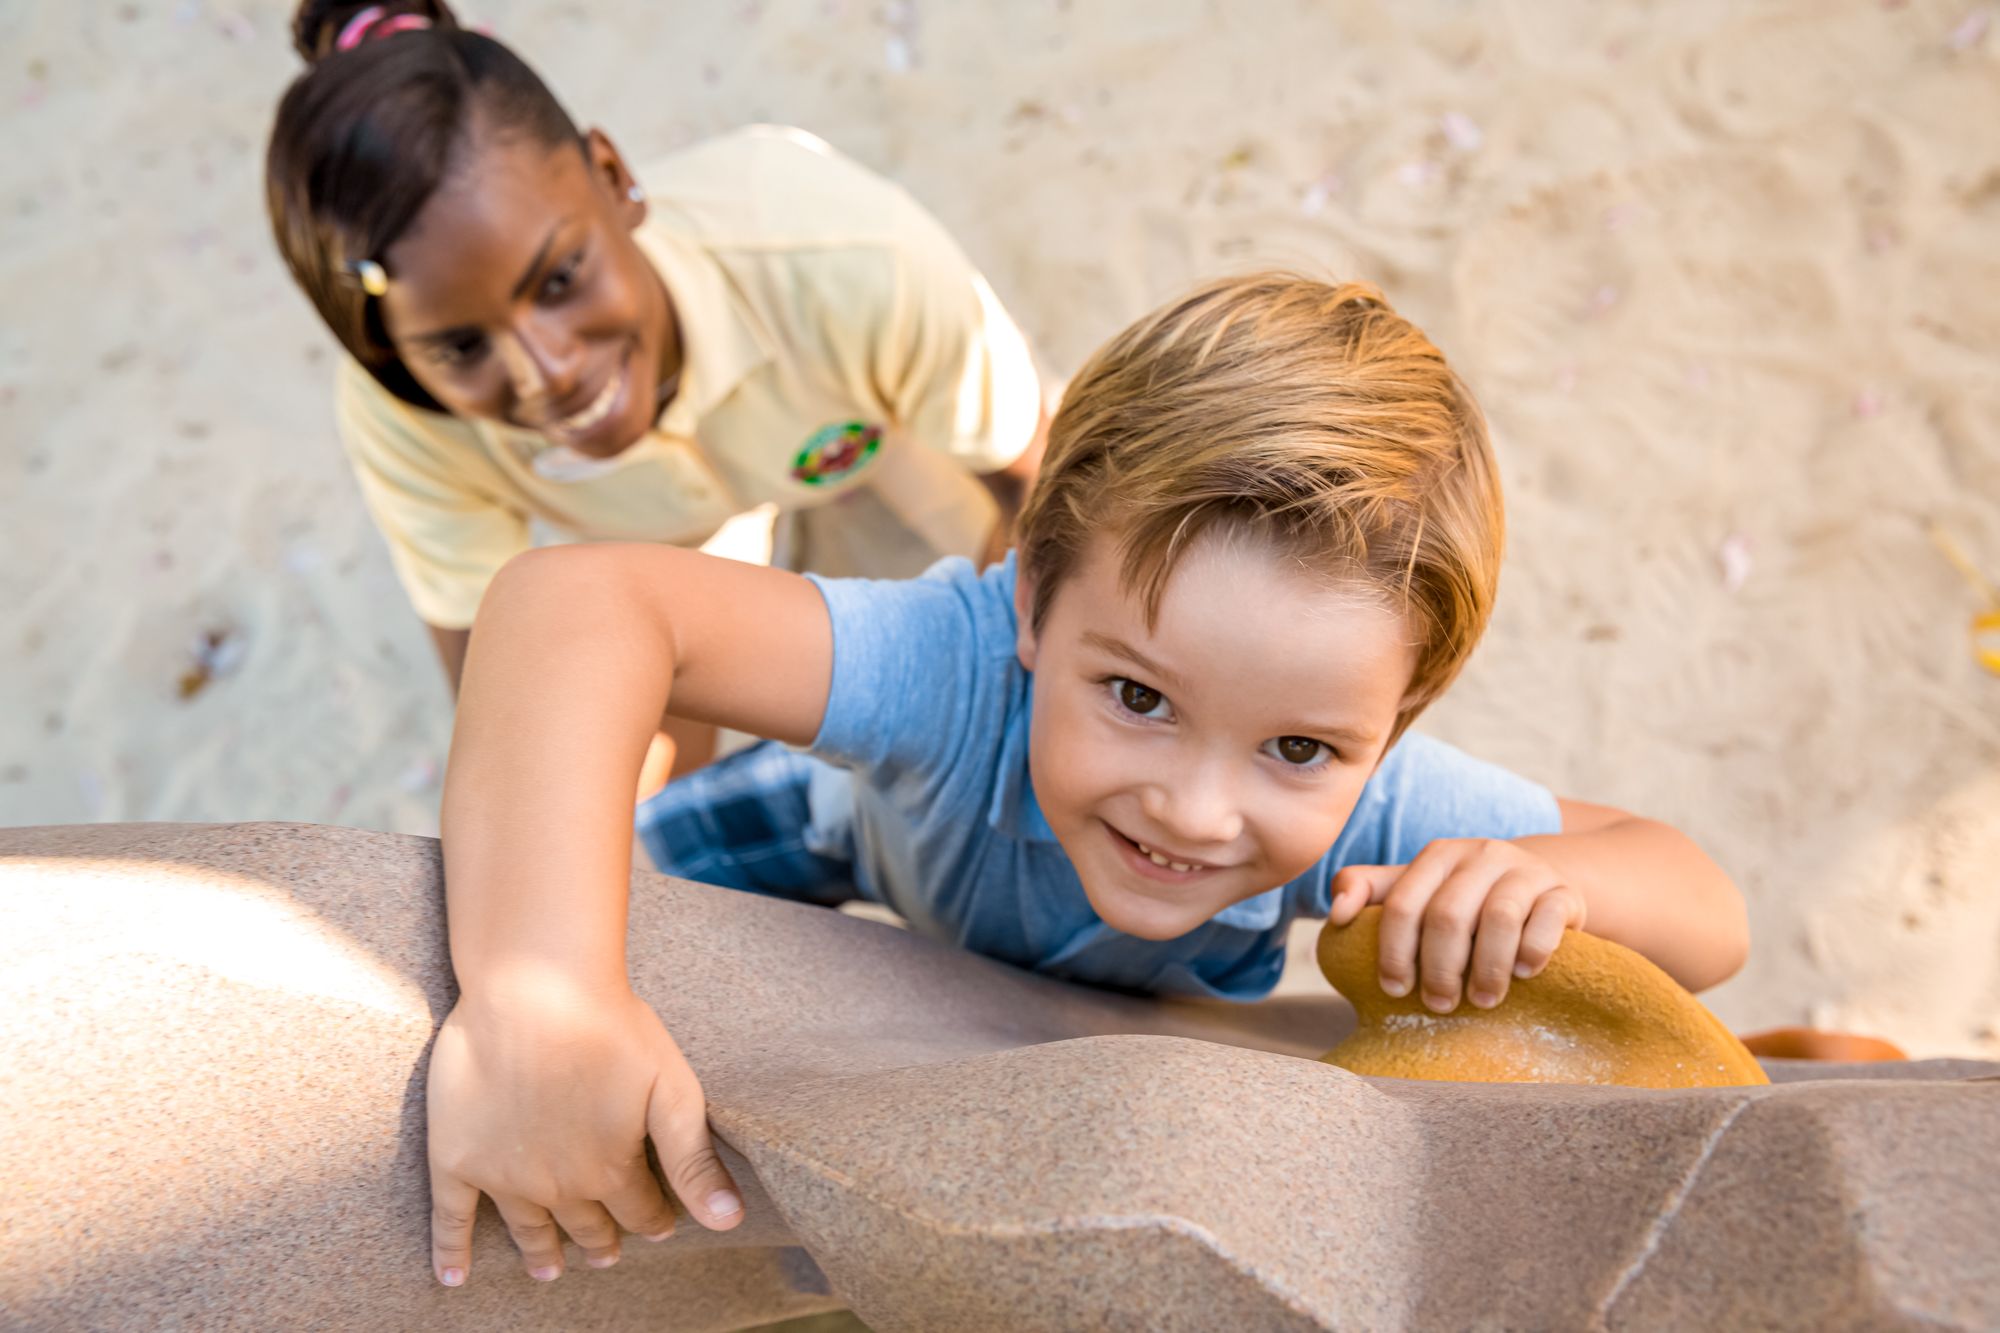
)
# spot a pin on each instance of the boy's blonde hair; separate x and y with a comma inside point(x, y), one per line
point(1308, 413)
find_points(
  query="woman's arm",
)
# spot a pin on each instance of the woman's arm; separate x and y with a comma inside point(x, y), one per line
point(450, 645)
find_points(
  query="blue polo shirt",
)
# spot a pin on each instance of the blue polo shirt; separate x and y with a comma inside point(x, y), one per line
point(926, 738)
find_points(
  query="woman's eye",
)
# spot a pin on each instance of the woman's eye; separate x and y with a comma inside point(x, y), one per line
point(461, 351)
point(1299, 750)
point(1140, 699)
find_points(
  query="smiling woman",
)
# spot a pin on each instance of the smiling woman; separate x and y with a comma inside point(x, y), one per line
point(538, 332)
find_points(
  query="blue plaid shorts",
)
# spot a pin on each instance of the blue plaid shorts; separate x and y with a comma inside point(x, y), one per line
point(745, 822)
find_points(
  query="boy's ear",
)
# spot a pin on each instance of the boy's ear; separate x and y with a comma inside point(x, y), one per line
point(1024, 619)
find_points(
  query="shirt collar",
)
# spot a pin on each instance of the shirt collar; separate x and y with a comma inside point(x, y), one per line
point(1258, 913)
point(1014, 811)
point(723, 341)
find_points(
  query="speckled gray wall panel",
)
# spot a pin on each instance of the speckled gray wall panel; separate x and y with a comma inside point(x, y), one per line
point(212, 1044)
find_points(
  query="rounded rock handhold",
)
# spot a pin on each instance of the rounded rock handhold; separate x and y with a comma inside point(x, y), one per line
point(1598, 1013)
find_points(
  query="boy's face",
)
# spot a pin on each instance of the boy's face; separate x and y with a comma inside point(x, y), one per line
point(1230, 741)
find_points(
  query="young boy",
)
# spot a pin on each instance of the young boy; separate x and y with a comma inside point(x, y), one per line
point(1266, 536)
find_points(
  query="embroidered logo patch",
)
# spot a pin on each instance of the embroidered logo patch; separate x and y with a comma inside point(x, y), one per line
point(831, 452)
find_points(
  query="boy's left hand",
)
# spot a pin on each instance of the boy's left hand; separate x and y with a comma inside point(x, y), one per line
point(1481, 911)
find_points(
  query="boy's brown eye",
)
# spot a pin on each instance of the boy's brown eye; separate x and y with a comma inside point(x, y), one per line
point(1137, 697)
point(1298, 749)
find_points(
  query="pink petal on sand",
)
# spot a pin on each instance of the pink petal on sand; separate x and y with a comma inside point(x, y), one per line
point(1462, 132)
point(1313, 202)
point(1868, 403)
point(1620, 215)
point(1603, 299)
point(1969, 30)
point(1734, 557)
point(1416, 175)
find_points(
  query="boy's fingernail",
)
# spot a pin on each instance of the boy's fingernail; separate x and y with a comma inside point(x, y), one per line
point(1523, 971)
point(1485, 999)
point(660, 1236)
point(452, 1277)
point(724, 1204)
point(547, 1274)
point(1396, 988)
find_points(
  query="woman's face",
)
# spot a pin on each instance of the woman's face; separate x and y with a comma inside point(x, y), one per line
point(518, 295)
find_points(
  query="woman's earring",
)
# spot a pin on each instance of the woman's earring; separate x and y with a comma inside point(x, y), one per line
point(636, 194)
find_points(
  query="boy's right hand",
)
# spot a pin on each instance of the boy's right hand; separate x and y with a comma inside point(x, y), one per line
point(544, 1100)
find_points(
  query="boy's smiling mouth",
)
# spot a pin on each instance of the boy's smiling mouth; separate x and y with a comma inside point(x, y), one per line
point(1156, 864)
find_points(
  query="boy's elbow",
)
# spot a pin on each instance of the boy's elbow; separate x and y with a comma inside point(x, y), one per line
point(1729, 946)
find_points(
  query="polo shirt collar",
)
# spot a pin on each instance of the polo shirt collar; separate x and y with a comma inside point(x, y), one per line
point(723, 340)
point(1014, 810)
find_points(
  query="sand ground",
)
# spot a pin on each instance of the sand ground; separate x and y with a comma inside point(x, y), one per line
point(1726, 275)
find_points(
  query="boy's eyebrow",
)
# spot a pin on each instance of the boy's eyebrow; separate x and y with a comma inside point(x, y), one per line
point(1352, 737)
point(1120, 648)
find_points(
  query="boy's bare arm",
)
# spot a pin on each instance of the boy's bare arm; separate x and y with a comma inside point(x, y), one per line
point(576, 654)
point(1648, 886)
point(549, 1075)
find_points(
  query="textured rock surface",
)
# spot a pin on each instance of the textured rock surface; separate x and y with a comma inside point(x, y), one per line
point(1598, 1013)
point(212, 1064)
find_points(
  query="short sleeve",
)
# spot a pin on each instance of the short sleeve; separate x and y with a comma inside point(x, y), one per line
point(956, 370)
point(920, 675)
point(1426, 790)
point(447, 538)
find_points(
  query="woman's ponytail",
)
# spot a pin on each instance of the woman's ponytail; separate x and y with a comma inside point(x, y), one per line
point(318, 25)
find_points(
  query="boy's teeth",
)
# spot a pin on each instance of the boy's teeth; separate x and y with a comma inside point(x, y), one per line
point(1159, 860)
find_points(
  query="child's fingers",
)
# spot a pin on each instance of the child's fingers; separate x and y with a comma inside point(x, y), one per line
point(678, 1121)
point(454, 1204)
point(591, 1227)
point(533, 1228)
point(1498, 943)
point(641, 1206)
point(1403, 919)
point(1354, 887)
point(1553, 913)
point(1449, 924)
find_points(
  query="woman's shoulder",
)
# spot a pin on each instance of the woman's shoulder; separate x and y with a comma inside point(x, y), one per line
point(776, 186)
point(374, 422)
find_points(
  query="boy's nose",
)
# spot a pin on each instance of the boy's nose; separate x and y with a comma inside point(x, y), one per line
point(1197, 807)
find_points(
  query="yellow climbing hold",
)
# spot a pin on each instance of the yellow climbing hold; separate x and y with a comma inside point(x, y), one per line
point(1598, 1013)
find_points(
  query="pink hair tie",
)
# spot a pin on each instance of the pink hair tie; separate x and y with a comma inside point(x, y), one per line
point(370, 24)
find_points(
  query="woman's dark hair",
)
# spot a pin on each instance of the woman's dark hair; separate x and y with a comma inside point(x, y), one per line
point(364, 138)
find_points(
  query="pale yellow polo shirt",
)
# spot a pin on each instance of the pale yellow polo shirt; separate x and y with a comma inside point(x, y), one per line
point(843, 361)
